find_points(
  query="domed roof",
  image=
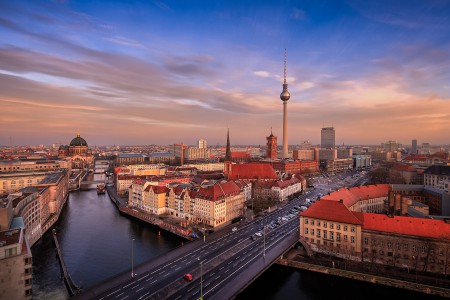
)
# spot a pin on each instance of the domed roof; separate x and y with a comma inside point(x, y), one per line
point(78, 141)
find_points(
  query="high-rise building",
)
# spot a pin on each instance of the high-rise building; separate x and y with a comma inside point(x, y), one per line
point(414, 147)
point(285, 96)
point(426, 148)
point(202, 143)
point(391, 146)
point(327, 137)
point(271, 151)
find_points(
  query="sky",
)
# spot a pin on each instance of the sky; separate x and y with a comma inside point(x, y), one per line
point(164, 72)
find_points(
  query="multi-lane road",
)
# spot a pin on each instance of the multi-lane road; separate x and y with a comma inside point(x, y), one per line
point(216, 264)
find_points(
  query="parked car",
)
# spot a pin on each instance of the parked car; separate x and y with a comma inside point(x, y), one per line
point(234, 229)
point(187, 277)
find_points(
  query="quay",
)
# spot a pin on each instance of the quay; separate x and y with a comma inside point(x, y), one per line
point(72, 288)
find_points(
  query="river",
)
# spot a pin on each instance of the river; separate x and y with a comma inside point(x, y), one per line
point(96, 242)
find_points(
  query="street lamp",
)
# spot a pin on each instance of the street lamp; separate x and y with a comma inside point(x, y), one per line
point(132, 258)
point(252, 208)
point(201, 280)
point(264, 243)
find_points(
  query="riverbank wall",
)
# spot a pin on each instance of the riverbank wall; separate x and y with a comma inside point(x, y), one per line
point(416, 287)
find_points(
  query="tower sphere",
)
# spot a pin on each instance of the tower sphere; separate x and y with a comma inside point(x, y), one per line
point(285, 96)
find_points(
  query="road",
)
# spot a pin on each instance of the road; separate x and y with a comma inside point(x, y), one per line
point(217, 261)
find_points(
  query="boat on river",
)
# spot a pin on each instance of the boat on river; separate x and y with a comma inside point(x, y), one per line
point(101, 189)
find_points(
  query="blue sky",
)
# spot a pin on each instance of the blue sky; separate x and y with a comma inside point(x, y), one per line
point(143, 72)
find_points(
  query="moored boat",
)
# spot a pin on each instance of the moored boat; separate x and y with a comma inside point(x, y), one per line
point(101, 188)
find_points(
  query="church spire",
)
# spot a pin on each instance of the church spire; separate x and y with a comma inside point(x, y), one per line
point(228, 151)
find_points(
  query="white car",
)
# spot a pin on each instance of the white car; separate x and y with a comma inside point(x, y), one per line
point(258, 234)
point(234, 229)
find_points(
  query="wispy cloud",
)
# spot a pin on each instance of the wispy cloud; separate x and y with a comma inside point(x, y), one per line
point(262, 73)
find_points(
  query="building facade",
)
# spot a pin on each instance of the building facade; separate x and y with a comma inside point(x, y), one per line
point(327, 137)
point(15, 265)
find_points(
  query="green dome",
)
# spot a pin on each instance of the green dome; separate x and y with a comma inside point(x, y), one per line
point(78, 141)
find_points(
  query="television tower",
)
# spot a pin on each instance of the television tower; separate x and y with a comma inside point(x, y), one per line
point(284, 96)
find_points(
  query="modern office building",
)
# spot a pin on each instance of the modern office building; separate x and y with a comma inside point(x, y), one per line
point(414, 147)
point(202, 144)
point(327, 137)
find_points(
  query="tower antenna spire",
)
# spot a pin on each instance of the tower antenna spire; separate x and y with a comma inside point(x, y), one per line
point(284, 65)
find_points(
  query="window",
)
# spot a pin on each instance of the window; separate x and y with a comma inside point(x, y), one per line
point(414, 248)
point(318, 232)
point(306, 221)
point(345, 238)
point(312, 222)
point(406, 247)
point(306, 230)
point(338, 236)
point(352, 239)
point(338, 227)
point(345, 227)
point(389, 244)
point(324, 234)
point(318, 223)
point(312, 231)
point(331, 235)
point(423, 248)
point(331, 226)
point(324, 224)
point(352, 229)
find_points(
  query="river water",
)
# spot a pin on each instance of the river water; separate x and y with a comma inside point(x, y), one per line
point(96, 242)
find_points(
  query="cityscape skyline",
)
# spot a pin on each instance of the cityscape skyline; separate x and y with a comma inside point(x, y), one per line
point(167, 72)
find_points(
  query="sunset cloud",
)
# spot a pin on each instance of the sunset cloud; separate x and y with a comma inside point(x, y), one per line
point(153, 73)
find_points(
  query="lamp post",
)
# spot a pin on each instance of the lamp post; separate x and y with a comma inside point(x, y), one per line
point(132, 258)
point(201, 280)
point(264, 243)
point(252, 208)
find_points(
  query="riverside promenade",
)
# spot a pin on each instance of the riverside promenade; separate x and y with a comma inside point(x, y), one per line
point(123, 207)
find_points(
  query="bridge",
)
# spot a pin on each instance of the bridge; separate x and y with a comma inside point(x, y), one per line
point(222, 266)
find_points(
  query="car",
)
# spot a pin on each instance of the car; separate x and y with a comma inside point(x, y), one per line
point(234, 229)
point(258, 234)
point(187, 277)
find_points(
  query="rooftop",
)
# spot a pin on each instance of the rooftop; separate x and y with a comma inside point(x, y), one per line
point(9, 237)
point(407, 226)
point(333, 211)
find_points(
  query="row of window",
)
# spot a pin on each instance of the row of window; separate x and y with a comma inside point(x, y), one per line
point(328, 235)
point(325, 225)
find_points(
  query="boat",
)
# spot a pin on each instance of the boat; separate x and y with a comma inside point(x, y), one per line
point(101, 188)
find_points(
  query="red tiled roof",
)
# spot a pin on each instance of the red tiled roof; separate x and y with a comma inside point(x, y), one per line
point(407, 226)
point(218, 191)
point(252, 171)
point(157, 189)
point(332, 211)
point(355, 194)
point(240, 155)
